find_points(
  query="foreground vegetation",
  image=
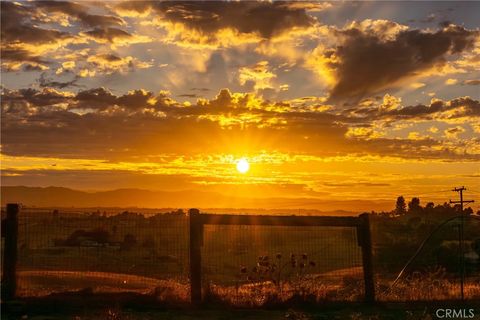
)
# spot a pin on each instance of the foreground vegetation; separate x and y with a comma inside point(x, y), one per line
point(427, 286)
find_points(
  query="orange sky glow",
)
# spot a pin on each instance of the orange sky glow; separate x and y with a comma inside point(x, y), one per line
point(332, 101)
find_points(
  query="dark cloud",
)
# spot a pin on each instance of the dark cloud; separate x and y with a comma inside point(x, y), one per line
point(97, 98)
point(365, 63)
point(473, 82)
point(26, 14)
point(454, 131)
point(79, 12)
point(108, 34)
point(12, 15)
point(188, 95)
point(45, 82)
point(101, 99)
point(110, 57)
point(265, 18)
point(437, 110)
point(31, 67)
point(29, 30)
point(18, 26)
point(456, 108)
point(135, 99)
point(139, 123)
point(21, 56)
point(37, 98)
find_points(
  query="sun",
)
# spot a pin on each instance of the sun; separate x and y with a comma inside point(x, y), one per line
point(243, 166)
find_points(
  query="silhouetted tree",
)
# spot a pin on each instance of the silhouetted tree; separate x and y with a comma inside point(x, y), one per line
point(400, 207)
point(179, 212)
point(414, 205)
point(98, 235)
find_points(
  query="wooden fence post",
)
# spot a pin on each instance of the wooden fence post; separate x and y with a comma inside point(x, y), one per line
point(196, 239)
point(9, 275)
point(365, 241)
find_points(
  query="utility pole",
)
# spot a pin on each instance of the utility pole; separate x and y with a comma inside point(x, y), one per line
point(461, 236)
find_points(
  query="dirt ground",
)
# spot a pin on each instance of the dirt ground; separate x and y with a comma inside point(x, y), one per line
point(19, 310)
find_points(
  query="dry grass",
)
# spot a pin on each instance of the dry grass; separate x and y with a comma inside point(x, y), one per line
point(339, 285)
point(290, 293)
point(333, 286)
point(42, 283)
point(428, 286)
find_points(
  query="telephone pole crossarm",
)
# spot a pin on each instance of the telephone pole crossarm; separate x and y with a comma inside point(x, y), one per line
point(464, 201)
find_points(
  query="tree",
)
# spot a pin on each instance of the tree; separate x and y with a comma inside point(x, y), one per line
point(414, 205)
point(98, 235)
point(400, 207)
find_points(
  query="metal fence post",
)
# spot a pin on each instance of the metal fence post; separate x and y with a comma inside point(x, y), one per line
point(196, 237)
point(365, 241)
point(10, 232)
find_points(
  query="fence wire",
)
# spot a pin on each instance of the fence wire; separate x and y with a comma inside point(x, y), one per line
point(67, 250)
point(435, 272)
point(255, 265)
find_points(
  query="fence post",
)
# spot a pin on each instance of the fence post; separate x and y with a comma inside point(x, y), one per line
point(9, 275)
point(365, 240)
point(196, 238)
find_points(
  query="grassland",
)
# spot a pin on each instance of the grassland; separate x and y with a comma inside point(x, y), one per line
point(242, 266)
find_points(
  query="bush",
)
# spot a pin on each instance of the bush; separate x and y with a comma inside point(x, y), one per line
point(99, 236)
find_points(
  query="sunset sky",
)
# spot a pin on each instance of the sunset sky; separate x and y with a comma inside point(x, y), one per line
point(340, 100)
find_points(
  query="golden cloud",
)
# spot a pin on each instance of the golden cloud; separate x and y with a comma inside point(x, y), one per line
point(259, 74)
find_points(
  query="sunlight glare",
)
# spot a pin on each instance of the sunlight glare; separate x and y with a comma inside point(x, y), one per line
point(242, 165)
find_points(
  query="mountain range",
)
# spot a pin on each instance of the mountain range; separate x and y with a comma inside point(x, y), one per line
point(65, 197)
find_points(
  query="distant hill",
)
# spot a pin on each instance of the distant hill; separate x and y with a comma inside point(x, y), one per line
point(65, 197)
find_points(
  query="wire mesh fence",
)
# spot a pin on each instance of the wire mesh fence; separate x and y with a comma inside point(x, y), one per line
point(430, 256)
point(242, 264)
point(64, 250)
point(256, 265)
